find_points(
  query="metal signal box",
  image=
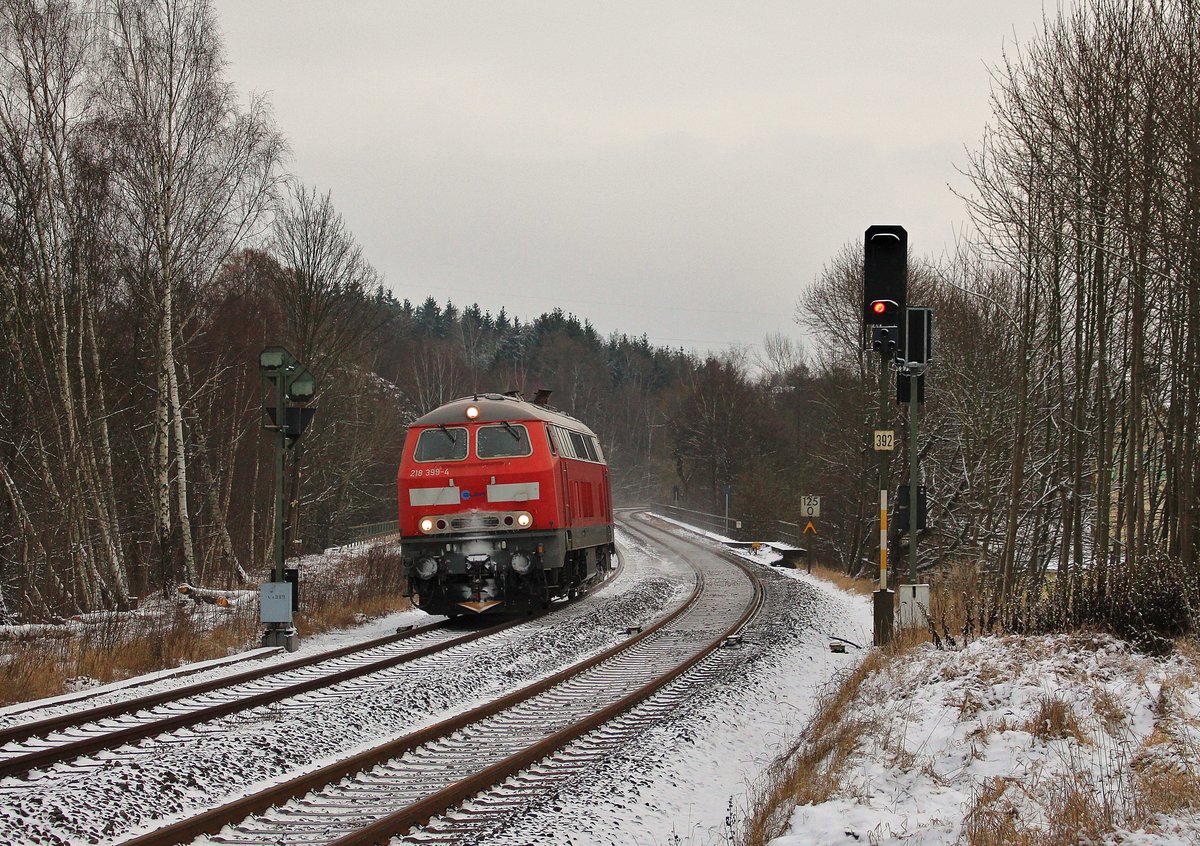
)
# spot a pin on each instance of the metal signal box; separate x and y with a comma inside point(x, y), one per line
point(918, 339)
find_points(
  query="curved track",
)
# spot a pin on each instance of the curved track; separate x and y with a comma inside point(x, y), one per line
point(391, 787)
point(422, 775)
point(26, 746)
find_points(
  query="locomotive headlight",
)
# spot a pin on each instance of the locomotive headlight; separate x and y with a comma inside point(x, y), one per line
point(472, 412)
point(426, 568)
point(524, 519)
point(426, 524)
point(521, 563)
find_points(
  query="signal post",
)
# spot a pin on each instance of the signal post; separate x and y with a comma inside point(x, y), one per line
point(885, 287)
point(288, 415)
point(904, 336)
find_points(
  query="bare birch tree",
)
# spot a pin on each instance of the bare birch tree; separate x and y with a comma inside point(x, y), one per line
point(195, 173)
point(54, 188)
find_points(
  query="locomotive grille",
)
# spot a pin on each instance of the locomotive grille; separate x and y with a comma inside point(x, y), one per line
point(475, 521)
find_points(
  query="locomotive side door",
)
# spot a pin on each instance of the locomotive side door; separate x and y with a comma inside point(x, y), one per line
point(562, 450)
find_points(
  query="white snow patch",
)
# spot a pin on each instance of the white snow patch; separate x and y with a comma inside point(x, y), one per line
point(1024, 721)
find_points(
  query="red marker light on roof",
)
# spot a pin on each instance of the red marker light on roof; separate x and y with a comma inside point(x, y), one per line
point(472, 412)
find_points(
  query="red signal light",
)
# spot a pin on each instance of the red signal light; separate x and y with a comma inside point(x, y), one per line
point(882, 310)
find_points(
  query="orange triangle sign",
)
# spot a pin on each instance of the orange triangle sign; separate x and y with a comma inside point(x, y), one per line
point(810, 528)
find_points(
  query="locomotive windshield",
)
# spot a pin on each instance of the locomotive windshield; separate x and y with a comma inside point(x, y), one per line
point(503, 441)
point(442, 444)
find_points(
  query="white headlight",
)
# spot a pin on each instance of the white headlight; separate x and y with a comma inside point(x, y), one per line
point(524, 519)
point(426, 524)
point(521, 563)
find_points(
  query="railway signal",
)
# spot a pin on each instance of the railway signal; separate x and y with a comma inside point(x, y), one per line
point(289, 415)
point(885, 340)
point(918, 353)
point(918, 337)
point(885, 276)
point(885, 292)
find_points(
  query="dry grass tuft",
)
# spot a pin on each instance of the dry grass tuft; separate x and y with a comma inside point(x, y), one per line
point(992, 818)
point(814, 768)
point(119, 649)
point(848, 583)
point(1055, 720)
point(1166, 778)
point(355, 589)
point(1167, 790)
point(1000, 814)
point(1109, 710)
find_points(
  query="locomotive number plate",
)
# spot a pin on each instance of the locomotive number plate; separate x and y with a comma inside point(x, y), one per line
point(428, 472)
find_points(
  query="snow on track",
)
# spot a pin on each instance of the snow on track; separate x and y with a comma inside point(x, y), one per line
point(103, 798)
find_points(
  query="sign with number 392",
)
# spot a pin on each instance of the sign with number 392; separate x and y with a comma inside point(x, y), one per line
point(885, 440)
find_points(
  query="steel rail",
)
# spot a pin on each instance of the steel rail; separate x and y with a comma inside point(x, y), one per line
point(31, 730)
point(213, 820)
point(384, 829)
point(479, 817)
point(69, 750)
point(75, 748)
point(426, 807)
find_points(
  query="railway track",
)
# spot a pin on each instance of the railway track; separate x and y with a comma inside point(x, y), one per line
point(389, 788)
point(32, 745)
point(36, 745)
point(496, 806)
point(385, 792)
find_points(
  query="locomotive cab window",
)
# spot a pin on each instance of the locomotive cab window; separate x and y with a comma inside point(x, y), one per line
point(506, 440)
point(445, 443)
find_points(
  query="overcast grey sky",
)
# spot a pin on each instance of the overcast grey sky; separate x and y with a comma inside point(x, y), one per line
point(675, 169)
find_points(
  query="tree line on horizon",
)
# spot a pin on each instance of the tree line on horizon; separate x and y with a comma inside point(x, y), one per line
point(151, 245)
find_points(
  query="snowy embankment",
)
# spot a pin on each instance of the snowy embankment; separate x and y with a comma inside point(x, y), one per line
point(686, 779)
point(1052, 739)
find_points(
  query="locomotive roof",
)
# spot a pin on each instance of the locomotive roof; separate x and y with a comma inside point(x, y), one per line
point(496, 407)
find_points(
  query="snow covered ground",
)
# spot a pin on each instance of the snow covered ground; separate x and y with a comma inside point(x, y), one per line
point(686, 780)
point(1022, 735)
point(683, 781)
point(1031, 736)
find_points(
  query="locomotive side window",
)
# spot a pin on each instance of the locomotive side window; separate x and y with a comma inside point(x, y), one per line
point(599, 452)
point(504, 441)
point(444, 443)
point(581, 444)
point(562, 442)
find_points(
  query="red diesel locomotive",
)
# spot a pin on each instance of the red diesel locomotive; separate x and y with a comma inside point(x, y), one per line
point(502, 502)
